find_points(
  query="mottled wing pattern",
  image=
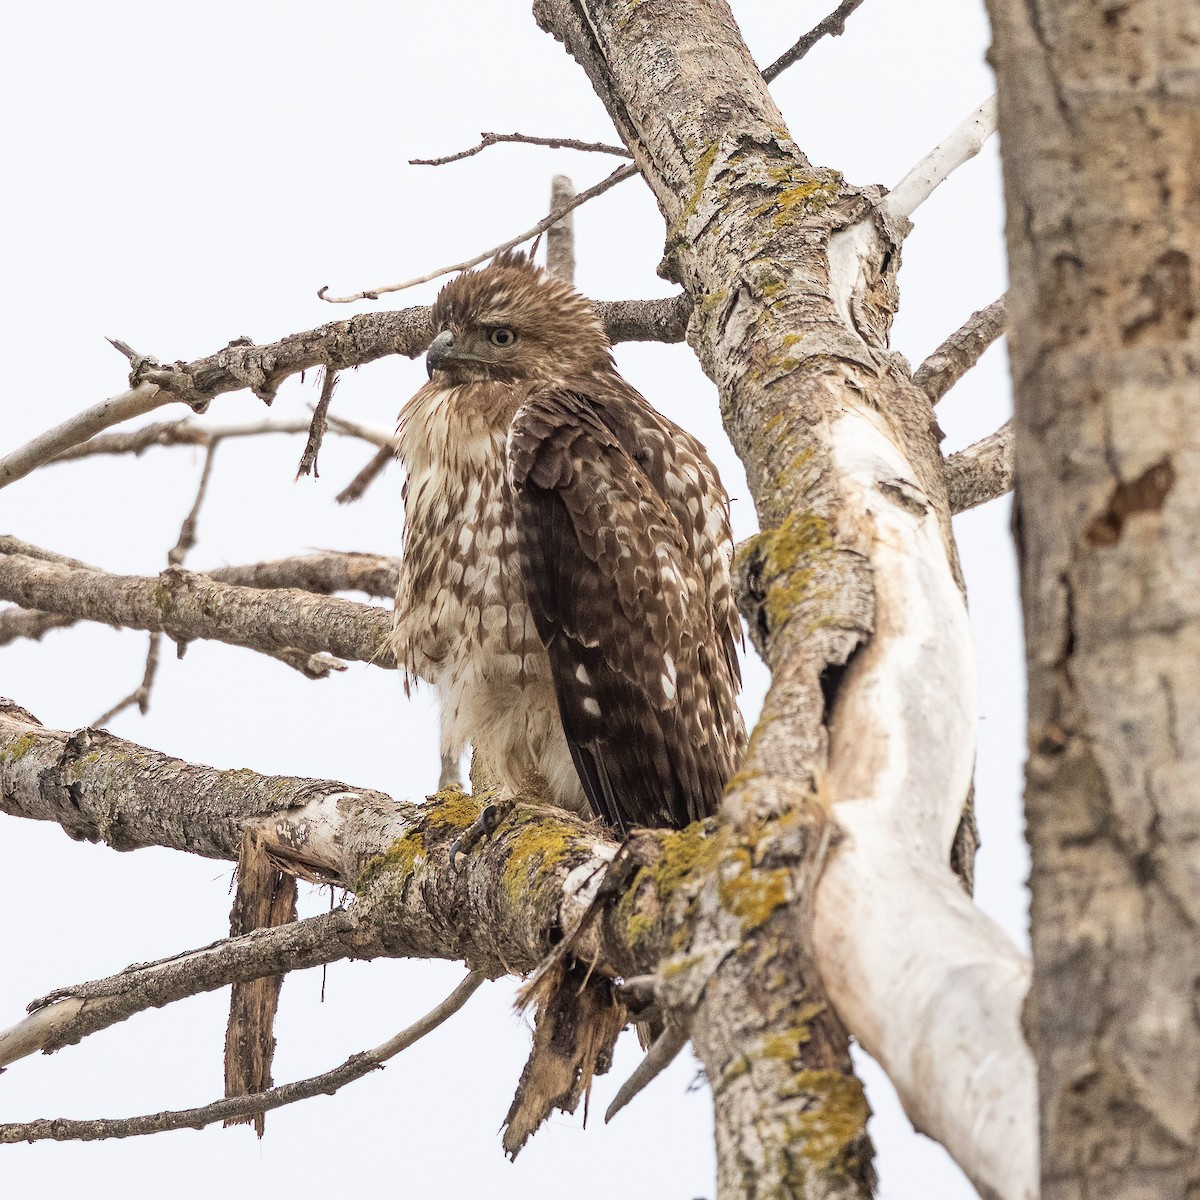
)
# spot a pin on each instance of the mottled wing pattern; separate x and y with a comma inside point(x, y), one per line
point(642, 664)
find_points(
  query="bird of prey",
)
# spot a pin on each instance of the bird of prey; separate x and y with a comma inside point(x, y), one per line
point(565, 582)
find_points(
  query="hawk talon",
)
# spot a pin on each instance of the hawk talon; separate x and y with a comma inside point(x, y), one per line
point(482, 827)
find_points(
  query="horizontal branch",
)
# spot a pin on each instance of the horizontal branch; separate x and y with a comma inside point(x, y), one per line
point(64, 1129)
point(70, 1014)
point(525, 139)
point(982, 471)
point(17, 623)
point(325, 572)
point(961, 350)
point(187, 606)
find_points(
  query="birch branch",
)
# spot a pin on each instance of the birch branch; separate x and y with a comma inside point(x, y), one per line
point(961, 350)
point(552, 217)
point(187, 606)
point(64, 1129)
point(981, 472)
point(959, 146)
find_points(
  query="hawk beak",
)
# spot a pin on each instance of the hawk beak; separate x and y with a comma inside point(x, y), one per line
point(438, 353)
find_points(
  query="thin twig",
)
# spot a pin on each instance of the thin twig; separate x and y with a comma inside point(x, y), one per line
point(560, 237)
point(618, 176)
point(175, 556)
point(62, 1129)
point(658, 1058)
point(374, 467)
point(961, 350)
point(316, 430)
point(960, 145)
point(492, 139)
point(833, 26)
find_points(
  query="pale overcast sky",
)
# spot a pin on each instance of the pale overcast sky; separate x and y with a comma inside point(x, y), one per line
point(180, 175)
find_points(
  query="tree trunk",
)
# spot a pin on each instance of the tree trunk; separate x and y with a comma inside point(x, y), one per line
point(1100, 120)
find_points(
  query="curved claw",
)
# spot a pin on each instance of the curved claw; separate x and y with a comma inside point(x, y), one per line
point(483, 826)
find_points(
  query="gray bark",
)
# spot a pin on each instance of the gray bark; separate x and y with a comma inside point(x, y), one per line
point(1100, 126)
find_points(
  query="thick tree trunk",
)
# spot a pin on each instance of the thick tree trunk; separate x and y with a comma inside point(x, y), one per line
point(1100, 121)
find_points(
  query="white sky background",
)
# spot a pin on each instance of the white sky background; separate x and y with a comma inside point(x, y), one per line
point(181, 175)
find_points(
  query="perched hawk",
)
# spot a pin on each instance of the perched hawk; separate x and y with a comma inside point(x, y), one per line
point(565, 581)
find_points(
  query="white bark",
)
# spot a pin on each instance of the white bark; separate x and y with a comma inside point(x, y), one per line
point(928, 984)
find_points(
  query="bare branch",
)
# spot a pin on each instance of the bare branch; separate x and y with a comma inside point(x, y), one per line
point(141, 398)
point(70, 1014)
point(141, 694)
point(374, 467)
point(658, 1058)
point(560, 237)
point(325, 572)
point(961, 350)
point(833, 26)
point(18, 623)
point(618, 176)
point(316, 430)
point(62, 1129)
point(959, 146)
point(187, 606)
point(187, 531)
point(982, 471)
point(493, 139)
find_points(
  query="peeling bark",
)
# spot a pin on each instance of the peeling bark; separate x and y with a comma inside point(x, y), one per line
point(1100, 117)
point(792, 274)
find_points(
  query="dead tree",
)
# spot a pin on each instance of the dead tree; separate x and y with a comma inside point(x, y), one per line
point(825, 902)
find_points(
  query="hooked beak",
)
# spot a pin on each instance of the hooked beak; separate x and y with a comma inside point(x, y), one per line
point(439, 351)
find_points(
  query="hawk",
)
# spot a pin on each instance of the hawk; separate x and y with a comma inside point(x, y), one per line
point(565, 582)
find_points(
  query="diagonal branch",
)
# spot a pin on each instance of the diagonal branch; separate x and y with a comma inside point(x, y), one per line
point(187, 606)
point(70, 1014)
point(960, 145)
point(834, 25)
point(981, 472)
point(63, 1129)
point(961, 350)
point(555, 215)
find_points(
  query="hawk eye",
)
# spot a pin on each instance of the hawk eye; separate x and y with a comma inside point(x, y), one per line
point(502, 336)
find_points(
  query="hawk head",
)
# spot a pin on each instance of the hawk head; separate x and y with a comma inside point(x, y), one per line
point(513, 322)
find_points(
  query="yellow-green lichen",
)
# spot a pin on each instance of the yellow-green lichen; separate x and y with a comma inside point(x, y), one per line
point(786, 1044)
point(826, 1134)
point(17, 750)
point(790, 561)
point(751, 893)
point(687, 854)
point(539, 847)
point(451, 808)
point(400, 857)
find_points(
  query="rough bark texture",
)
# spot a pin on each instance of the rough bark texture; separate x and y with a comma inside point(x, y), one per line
point(749, 224)
point(1100, 125)
point(187, 606)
